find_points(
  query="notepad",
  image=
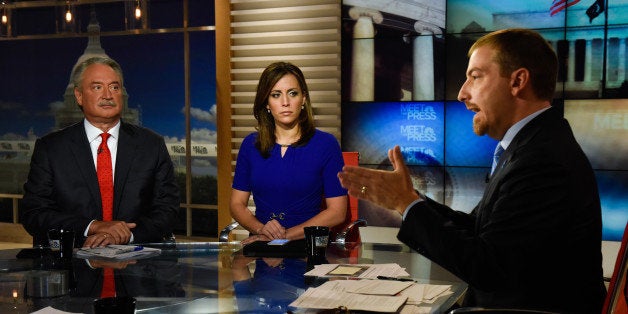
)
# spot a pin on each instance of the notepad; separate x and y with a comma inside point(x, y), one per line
point(119, 252)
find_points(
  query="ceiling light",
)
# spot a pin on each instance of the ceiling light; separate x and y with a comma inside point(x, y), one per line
point(68, 14)
point(138, 11)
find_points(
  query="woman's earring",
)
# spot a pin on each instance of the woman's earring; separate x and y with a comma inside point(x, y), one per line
point(268, 110)
point(302, 107)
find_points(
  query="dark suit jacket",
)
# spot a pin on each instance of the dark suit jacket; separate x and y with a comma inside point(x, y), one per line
point(62, 187)
point(534, 240)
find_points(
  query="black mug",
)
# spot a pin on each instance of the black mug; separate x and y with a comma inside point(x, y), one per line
point(316, 239)
point(67, 243)
point(61, 242)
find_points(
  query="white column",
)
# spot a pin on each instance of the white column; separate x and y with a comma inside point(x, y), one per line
point(571, 62)
point(363, 58)
point(423, 68)
point(423, 60)
point(588, 59)
point(621, 64)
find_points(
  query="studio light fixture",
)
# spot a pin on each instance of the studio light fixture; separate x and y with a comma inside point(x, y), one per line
point(68, 13)
point(138, 11)
point(5, 19)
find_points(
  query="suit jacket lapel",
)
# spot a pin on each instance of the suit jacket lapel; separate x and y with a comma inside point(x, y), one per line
point(528, 132)
point(127, 146)
point(84, 160)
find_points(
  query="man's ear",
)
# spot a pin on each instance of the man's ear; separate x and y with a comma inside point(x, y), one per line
point(519, 80)
point(79, 96)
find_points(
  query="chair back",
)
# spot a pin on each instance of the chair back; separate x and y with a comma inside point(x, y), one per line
point(616, 301)
point(350, 159)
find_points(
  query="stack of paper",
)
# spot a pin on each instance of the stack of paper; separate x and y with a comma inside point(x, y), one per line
point(372, 295)
point(336, 293)
point(118, 252)
point(425, 293)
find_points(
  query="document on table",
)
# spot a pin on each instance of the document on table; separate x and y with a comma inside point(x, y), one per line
point(362, 271)
point(118, 252)
point(51, 310)
point(333, 294)
point(425, 293)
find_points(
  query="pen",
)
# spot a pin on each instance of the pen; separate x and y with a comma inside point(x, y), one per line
point(394, 278)
point(120, 250)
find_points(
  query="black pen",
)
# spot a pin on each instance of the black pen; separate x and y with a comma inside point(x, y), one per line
point(395, 278)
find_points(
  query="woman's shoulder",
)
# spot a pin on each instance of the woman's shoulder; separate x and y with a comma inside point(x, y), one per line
point(324, 140)
point(323, 136)
point(250, 138)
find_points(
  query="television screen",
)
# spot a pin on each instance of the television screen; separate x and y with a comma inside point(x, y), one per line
point(601, 128)
point(612, 187)
point(373, 128)
point(447, 161)
point(463, 148)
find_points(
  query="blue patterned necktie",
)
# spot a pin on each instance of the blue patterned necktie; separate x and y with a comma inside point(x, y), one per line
point(498, 152)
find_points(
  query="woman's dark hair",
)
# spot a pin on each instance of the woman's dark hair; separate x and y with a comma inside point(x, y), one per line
point(265, 121)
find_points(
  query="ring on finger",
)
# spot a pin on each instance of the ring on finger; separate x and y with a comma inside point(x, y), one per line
point(363, 189)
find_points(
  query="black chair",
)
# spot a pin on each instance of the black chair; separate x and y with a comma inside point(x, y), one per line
point(617, 297)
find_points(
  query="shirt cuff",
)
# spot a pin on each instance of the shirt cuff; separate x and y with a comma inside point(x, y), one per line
point(87, 229)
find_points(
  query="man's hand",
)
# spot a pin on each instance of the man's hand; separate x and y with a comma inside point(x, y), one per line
point(388, 189)
point(102, 233)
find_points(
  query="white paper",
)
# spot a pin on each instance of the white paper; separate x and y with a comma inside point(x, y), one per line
point(321, 298)
point(118, 252)
point(377, 287)
point(51, 310)
point(425, 293)
point(371, 271)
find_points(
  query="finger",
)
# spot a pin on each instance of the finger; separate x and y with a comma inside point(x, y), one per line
point(270, 234)
point(88, 242)
point(104, 239)
point(396, 159)
point(273, 229)
point(282, 233)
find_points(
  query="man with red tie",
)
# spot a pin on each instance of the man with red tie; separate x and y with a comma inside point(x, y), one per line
point(110, 181)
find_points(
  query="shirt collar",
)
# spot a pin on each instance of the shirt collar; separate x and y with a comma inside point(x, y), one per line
point(93, 132)
point(512, 132)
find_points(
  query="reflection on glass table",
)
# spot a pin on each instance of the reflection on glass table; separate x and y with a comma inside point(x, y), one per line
point(208, 277)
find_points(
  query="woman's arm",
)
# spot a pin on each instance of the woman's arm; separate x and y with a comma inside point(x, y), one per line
point(241, 213)
point(331, 216)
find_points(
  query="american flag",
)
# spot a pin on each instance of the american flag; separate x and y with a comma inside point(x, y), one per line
point(559, 5)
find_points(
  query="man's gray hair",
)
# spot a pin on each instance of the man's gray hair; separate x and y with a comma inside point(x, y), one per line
point(77, 74)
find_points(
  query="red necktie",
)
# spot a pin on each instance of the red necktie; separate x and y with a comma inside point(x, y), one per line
point(108, 283)
point(105, 178)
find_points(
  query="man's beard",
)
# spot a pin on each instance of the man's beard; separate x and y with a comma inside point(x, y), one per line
point(479, 125)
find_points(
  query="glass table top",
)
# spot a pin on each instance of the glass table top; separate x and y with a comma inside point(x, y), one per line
point(191, 277)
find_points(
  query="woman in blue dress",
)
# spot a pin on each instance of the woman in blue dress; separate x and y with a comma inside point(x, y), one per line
point(288, 165)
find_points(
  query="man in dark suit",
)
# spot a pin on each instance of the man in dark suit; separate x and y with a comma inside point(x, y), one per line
point(534, 239)
point(62, 190)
